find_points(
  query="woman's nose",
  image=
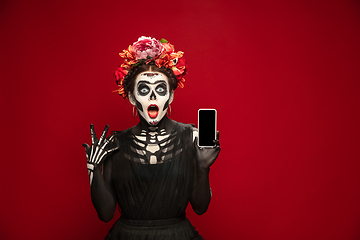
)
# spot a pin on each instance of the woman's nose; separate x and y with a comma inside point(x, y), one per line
point(152, 96)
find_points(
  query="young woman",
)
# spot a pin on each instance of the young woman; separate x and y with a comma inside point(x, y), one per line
point(154, 169)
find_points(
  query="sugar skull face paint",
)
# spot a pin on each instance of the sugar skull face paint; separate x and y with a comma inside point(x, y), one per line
point(151, 96)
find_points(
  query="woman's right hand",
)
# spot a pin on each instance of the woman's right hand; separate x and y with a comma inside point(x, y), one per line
point(99, 150)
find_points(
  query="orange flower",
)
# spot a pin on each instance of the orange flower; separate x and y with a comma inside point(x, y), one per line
point(163, 60)
point(180, 82)
point(129, 57)
point(179, 54)
point(121, 91)
point(168, 47)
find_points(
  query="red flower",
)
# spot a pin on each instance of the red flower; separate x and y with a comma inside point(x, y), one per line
point(180, 71)
point(181, 63)
point(180, 67)
point(120, 73)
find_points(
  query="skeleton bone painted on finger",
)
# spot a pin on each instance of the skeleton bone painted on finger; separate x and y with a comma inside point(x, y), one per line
point(97, 151)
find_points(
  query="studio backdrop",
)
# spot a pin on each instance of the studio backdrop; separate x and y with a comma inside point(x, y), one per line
point(283, 76)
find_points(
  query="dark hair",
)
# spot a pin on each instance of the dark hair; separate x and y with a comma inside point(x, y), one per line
point(129, 79)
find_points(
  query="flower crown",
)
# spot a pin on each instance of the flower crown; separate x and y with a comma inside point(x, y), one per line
point(148, 49)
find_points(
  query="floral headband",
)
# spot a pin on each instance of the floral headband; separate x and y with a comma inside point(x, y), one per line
point(148, 49)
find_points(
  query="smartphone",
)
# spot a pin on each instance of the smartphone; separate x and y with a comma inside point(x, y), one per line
point(207, 127)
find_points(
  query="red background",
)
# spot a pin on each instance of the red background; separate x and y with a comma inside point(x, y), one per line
point(283, 75)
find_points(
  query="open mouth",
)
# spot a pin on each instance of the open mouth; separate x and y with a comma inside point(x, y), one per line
point(153, 111)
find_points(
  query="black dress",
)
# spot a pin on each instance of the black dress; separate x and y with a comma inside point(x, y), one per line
point(153, 197)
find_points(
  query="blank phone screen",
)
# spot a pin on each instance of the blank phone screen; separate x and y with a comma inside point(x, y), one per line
point(207, 127)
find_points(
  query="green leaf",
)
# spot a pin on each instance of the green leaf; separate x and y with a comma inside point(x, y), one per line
point(163, 40)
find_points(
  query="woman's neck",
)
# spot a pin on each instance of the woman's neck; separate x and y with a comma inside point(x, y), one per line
point(165, 123)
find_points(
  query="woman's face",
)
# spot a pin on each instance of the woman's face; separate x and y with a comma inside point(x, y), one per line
point(151, 96)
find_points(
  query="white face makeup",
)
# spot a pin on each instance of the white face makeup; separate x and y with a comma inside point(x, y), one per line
point(151, 96)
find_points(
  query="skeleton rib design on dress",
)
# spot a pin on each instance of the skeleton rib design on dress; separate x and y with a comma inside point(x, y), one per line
point(153, 147)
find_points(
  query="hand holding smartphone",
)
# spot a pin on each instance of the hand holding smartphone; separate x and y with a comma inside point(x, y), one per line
point(207, 127)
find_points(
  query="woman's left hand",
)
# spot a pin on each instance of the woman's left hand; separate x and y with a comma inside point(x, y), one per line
point(205, 157)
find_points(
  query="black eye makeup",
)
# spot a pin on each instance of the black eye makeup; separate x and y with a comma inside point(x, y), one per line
point(143, 89)
point(161, 89)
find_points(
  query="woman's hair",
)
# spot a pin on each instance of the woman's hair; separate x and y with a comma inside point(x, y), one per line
point(129, 80)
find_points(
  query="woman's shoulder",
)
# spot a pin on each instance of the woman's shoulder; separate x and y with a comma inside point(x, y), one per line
point(185, 126)
point(190, 129)
point(122, 134)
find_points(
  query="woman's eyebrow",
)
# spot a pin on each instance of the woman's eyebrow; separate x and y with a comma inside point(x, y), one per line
point(147, 82)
